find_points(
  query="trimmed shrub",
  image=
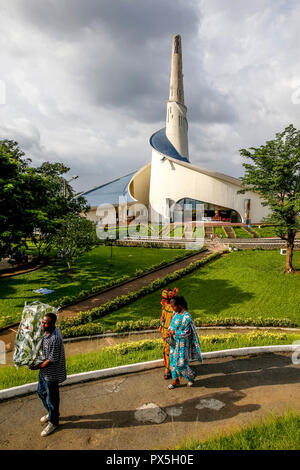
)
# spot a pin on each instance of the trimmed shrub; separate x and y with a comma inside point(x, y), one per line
point(118, 302)
point(68, 299)
point(82, 330)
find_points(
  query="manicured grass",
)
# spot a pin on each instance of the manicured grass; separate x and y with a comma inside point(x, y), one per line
point(140, 351)
point(266, 231)
point(199, 232)
point(219, 231)
point(241, 284)
point(91, 269)
point(177, 232)
point(273, 433)
point(240, 232)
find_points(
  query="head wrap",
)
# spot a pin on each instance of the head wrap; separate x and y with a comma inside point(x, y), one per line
point(168, 294)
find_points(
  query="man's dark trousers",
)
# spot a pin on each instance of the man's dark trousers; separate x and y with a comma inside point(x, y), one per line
point(49, 394)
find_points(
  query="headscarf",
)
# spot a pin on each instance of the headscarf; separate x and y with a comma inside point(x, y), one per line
point(168, 294)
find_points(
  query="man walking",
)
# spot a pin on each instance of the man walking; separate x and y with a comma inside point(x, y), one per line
point(52, 372)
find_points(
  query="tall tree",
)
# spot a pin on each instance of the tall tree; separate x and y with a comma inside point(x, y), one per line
point(275, 175)
point(76, 236)
point(33, 200)
point(15, 196)
point(58, 201)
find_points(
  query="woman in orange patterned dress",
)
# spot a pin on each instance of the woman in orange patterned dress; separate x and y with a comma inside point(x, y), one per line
point(165, 320)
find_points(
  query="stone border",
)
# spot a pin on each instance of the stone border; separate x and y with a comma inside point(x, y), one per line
point(142, 366)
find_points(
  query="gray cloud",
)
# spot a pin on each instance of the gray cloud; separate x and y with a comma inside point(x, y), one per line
point(87, 82)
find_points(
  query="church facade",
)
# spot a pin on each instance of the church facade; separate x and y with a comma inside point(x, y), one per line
point(170, 183)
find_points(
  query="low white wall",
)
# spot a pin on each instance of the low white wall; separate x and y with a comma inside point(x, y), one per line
point(114, 371)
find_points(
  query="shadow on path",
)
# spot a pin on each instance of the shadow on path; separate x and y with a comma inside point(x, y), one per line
point(237, 375)
point(126, 418)
point(245, 373)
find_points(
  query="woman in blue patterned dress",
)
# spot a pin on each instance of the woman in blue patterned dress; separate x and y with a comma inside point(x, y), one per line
point(186, 347)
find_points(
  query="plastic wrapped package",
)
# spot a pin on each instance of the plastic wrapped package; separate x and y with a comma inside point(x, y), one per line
point(28, 343)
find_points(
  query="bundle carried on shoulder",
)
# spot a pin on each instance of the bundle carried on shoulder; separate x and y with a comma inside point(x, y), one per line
point(28, 349)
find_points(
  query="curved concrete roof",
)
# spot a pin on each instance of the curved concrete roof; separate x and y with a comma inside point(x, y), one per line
point(109, 193)
point(214, 174)
point(160, 142)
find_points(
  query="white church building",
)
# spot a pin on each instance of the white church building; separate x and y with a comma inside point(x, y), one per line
point(170, 181)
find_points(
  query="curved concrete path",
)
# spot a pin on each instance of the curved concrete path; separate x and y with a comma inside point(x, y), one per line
point(114, 413)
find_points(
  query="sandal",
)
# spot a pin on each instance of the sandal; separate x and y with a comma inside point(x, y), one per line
point(167, 376)
point(173, 384)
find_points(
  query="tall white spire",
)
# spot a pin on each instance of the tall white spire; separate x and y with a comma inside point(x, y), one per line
point(176, 122)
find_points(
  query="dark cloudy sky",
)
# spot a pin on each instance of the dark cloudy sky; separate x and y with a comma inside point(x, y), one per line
point(86, 81)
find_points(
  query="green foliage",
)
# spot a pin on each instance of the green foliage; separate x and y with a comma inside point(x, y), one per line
point(88, 329)
point(275, 175)
point(240, 232)
point(32, 200)
point(220, 231)
point(246, 321)
point(141, 351)
point(98, 312)
point(146, 323)
point(92, 273)
point(271, 433)
point(242, 284)
point(18, 187)
point(67, 300)
point(82, 330)
point(76, 236)
point(6, 320)
point(83, 294)
point(130, 325)
point(56, 203)
point(265, 231)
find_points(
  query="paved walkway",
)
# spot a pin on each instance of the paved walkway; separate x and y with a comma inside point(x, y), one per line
point(8, 335)
point(131, 286)
point(104, 414)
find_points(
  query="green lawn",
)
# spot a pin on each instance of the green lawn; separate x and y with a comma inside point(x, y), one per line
point(241, 284)
point(274, 433)
point(177, 232)
point(91, 269)
point(141, 351)
point(240, 232)
point(199, 232)
point(219, 231)
point(265, 231)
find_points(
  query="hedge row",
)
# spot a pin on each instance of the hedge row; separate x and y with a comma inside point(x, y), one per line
point(146, 324)
point(98, 312)
point(70, 299)
point(83, 294)
point(88, 329)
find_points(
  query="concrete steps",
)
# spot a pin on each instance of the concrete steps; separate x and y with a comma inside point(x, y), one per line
point(229, 232)
point(254, 234)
